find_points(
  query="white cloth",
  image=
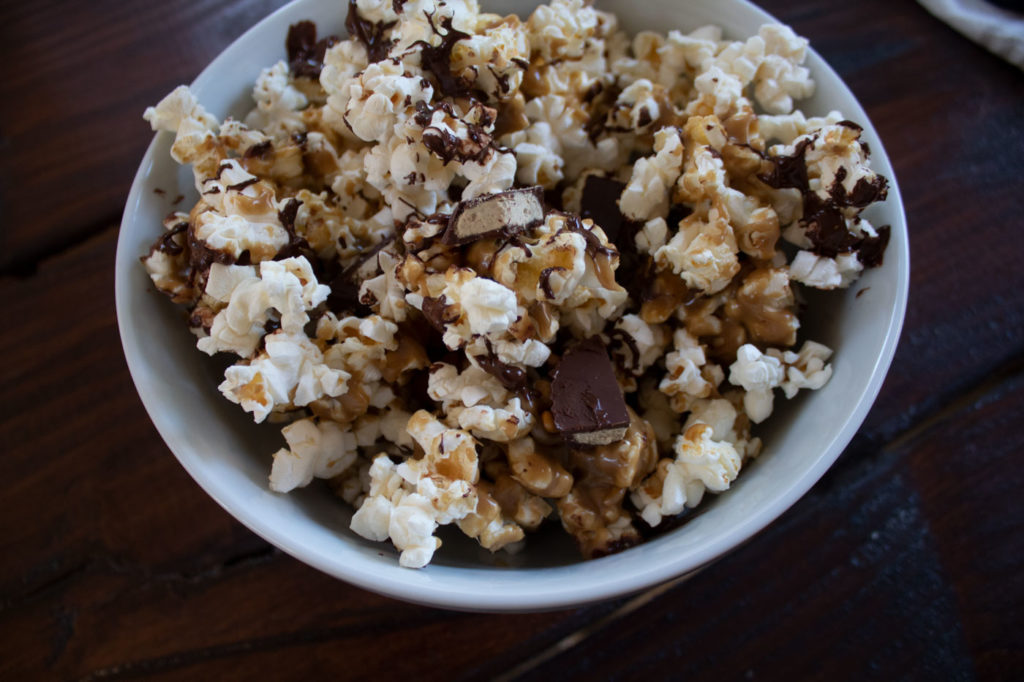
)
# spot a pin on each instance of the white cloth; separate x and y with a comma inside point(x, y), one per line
point(999, 30)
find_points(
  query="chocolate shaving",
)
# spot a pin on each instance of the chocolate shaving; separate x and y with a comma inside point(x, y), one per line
point(594, 245)
point(789, 171)
point(370, 34)
point(345, 285)
point(623, 350)
point(167, 242)
point(305, 52)
point(601, 105)
point(297, 245)
point(873, 248)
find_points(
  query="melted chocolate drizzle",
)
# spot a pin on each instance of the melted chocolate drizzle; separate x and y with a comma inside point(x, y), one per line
point(511, 377)
point(370, 34)
point(438, 313)
point(823, 219)
point(438, 60)
point(167, 242)
point(545, 280)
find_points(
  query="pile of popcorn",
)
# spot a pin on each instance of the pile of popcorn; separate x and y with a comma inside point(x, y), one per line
point(492, 272)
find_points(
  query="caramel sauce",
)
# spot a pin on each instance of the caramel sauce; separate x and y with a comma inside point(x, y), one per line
point(410, 354)
point(260, 205)
point(535, 81)
point(511, 116)
point(666, 293)
point(768, 321)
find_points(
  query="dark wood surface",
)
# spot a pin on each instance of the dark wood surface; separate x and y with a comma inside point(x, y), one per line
point(905, 562)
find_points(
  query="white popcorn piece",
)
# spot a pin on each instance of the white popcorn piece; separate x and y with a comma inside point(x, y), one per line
point(407, 502)
point(320, 450)
point(286, 286)
point(701, 463)
point(647, 194)
point(807, 369)
point(758, 374)
point(194, 140)
point(684, 381)
point(561, 29)
point(703, 253)
point(289, 372)
point(822, 272)
point(278, 104)
point(486, 307)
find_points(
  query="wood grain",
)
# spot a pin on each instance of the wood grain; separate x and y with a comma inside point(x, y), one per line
point(903, 562)
point(76, 78)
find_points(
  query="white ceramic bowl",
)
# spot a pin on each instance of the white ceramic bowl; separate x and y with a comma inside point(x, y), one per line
point(230, 457)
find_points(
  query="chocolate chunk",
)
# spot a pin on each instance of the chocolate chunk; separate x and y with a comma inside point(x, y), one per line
point(305, 52)
point(370, 34)
point(587, 402)
point(600, 203)
point(506, 213)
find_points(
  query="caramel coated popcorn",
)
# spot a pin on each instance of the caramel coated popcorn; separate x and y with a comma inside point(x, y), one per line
point(499, 272)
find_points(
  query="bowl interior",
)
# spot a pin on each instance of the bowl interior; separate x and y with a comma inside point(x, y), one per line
point(229, 456)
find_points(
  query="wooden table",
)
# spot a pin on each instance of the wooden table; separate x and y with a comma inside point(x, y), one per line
point(905, 561)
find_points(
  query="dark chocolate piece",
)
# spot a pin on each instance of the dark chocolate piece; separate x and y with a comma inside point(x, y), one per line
point(587, 402)
point(305, 52)
point(600, 203)
point(489, 215)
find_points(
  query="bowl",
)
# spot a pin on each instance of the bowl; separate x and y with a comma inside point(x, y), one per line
point(229, 456)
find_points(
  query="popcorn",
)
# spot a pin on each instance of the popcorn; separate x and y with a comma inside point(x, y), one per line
point(701, 464)
point(758, 374)
point(289, 372)
point(647, 194)
point(278, 104)
point(321, 450)
point(287, 287)
point(446, 249)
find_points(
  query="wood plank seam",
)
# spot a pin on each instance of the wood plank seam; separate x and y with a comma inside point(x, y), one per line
point(28, 266)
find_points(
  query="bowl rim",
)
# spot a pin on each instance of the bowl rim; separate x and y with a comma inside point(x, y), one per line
point(455, 593)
